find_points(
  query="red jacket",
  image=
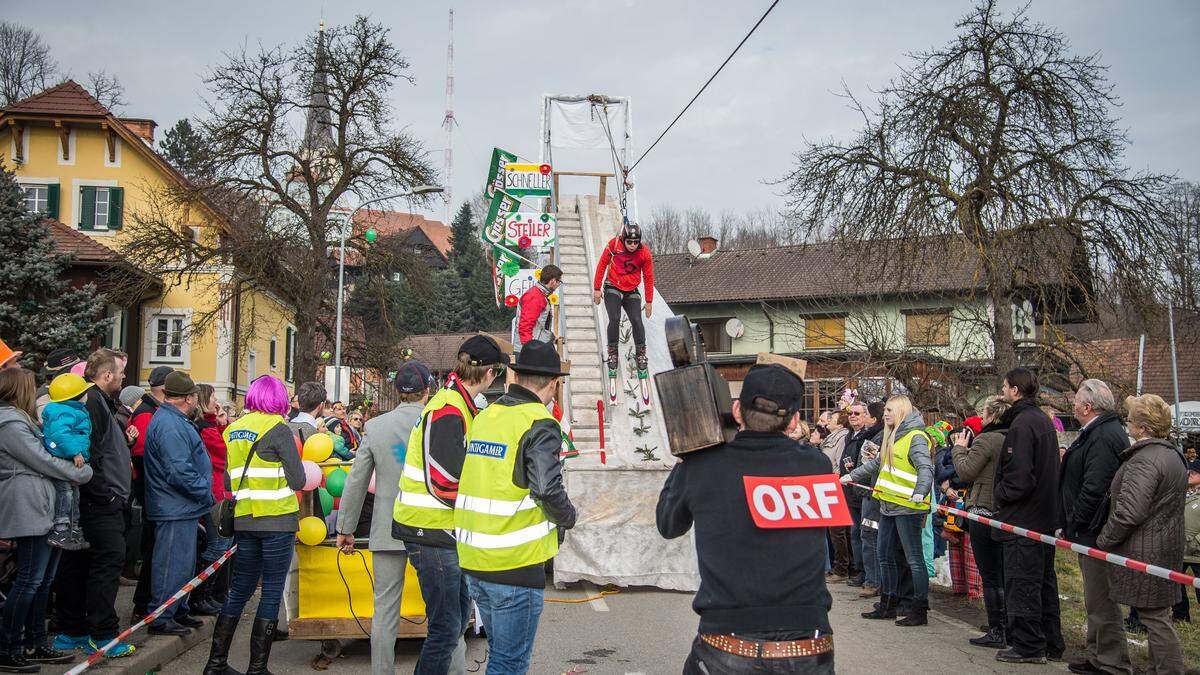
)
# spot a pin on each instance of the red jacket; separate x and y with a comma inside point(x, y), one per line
point(534, 319)
point(213, 436)
point(626, 269)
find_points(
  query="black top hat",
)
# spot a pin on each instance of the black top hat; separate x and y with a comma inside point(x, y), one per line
point(61, 359)
point(539, 358)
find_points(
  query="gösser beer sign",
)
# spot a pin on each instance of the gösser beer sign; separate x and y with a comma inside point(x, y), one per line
point(529, 229)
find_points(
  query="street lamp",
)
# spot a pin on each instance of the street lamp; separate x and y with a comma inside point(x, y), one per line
point(337, 348)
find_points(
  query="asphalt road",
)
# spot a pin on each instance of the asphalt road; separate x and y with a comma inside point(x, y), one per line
point(650, 631)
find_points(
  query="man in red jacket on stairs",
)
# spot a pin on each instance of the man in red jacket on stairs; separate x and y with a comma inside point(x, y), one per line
point(624, 264)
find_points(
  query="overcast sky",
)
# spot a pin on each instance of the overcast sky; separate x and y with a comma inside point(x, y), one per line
point(778, 92)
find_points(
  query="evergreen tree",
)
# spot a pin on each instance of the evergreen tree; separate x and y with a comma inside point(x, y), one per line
point(470, 265)
point(187, 149)
point(452, 311)
point(39, 311)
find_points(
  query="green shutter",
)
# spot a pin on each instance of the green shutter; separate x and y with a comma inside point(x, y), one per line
point(52, 201)
point(116, 204)
point(87, 208)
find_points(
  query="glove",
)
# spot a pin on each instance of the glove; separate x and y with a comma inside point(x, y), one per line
point(919, 498)
point(845, 479)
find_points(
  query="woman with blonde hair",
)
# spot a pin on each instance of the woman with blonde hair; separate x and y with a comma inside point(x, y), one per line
point(1146, 523)
point(904, 470)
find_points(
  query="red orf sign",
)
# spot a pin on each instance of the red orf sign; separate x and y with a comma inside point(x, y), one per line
point(796, 501)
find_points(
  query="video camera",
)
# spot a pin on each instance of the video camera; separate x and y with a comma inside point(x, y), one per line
point(695, 400)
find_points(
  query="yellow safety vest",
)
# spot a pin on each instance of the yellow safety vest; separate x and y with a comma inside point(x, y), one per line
point(415, 504)
point(498, 526)
point(263, 491)
point(897, 480)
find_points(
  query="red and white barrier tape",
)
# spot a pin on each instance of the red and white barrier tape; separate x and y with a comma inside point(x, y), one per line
point(1112, 558)
point(95, 658)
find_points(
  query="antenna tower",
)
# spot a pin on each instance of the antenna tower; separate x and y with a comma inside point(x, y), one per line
point(448, 122)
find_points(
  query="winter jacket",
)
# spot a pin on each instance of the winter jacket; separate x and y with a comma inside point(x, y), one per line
point(1191, 527)
point(277, 445)
point(67, 429)
point(834, 445)
point(625, 269)
point(852, 458)
point(26, 472)
point(111, 470)
point(212, 434)
point(1086, 473)
point(535, 318)
point(1026, 487)
point(918, 455)
point(977, 465)
point(178, 471)
point(1146, 522)
point(141, 420)
point(381, 454)
point(746, 584)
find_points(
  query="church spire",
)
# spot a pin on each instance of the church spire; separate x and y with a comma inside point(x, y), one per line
point(318, 122)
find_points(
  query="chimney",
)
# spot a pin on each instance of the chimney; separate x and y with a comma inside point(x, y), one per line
point(708, 245)
point(141, 127)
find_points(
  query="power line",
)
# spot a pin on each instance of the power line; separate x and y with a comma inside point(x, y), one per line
point(710, 79)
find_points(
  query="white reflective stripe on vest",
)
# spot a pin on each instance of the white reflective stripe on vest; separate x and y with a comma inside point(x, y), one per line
point(901, 473)
point(885, 484)
point(413, 473)
point(494, 507)
point(421, 501)
point(263, 495)
point(488, 541)
point(258, 472)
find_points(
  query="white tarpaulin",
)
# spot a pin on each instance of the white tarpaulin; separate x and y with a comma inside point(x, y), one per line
point(580, 124)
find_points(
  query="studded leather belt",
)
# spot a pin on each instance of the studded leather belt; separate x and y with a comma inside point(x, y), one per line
point(788, 649)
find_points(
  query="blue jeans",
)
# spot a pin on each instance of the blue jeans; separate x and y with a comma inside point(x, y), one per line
point(907, 529)
point(66, 504)
point(447, 606)
point(510, 617)
point(265, 555)
point(215, 545)
point(23, 619)
point(174, 564)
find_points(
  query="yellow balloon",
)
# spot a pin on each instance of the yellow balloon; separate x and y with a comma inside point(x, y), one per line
point(330, 469)
point(312, 531)
point(318, 448)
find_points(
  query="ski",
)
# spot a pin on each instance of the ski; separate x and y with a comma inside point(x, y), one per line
point(644, 386)
point(612, 386)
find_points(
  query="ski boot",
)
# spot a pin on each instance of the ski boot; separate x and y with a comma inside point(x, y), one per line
point(613, 363)
point(643, 373)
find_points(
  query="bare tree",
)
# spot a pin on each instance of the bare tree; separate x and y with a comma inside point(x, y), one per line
point(26, 66)
point(279, 188)
point(107, 89)
point(1183, 255)
point(663, 230)
point(1003, 138)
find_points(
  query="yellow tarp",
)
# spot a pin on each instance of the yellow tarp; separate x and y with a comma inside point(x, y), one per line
point(323, 593)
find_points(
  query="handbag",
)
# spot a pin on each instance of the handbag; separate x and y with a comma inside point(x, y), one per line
point(228, 506)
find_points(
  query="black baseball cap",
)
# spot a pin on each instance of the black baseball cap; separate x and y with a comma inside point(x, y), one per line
point(772, 389)
point(412, 377)
point(61, 359)
point(158, 376)
point(539, 358)
point(483, 351)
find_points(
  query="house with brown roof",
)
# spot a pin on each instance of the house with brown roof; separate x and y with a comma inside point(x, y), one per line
point(854, 313)
point(95, 174)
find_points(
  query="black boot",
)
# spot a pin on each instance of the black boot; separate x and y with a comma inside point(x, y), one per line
point(218, 654)
point(993, 636)
point(918, 615)
point(220, 590)
point(261, 638)
point(612, 359)
point(15, 662)
point(643, 362)
point(885, 610)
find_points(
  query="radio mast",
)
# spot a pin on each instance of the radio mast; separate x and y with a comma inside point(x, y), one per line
point(448, 123)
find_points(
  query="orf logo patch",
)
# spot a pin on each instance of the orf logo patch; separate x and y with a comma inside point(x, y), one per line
point(796, 501)
point(487, 449)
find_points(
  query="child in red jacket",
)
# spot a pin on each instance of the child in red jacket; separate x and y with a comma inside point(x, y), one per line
point(624, 264)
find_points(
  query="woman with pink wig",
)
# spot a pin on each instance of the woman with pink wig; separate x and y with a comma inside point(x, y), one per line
point(263, 472)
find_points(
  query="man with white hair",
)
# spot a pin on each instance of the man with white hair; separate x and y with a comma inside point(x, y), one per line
point(1087, 471)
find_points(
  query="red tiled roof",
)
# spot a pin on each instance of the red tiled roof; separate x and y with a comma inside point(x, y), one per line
point(68, 98)
point(396, 222)
point(440, 351)
point(85, 249)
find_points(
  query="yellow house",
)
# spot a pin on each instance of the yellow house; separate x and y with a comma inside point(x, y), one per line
point(92, 172)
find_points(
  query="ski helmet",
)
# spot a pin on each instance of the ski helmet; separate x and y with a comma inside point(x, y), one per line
point(632, 233)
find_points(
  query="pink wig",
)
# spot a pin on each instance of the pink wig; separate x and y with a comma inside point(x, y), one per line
point(267, 394)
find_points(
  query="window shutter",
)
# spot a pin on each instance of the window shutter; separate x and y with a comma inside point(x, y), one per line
point(116, 207)
point(52, 201)
point(87, 208)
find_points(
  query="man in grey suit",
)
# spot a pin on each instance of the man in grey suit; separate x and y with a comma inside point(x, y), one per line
point(385, 440)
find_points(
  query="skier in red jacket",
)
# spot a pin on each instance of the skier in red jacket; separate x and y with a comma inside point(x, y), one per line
point(624, 264)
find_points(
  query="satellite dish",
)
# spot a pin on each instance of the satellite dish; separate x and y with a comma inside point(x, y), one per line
point(693, 247)
point(734, 328)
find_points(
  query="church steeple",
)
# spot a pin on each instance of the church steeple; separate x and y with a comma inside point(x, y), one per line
point(318, 122)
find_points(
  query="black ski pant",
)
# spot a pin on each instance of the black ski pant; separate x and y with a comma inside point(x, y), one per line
point(616, 300)
point(1031, 597)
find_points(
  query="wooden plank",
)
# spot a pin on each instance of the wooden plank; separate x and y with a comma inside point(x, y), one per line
point(347, 628)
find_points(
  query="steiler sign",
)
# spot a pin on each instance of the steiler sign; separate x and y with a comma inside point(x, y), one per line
point(529, 229)
point(527, 180)
point(796, 501)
